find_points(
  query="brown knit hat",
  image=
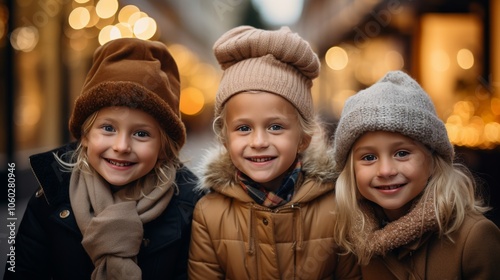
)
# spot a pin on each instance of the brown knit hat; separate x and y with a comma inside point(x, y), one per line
point(277, 61)
point(134, 73)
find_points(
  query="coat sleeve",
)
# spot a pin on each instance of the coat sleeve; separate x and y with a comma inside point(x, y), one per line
point(30, 246)
point(203, 262)
point(481, 255)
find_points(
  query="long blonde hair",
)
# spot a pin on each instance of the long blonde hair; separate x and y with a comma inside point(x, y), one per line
point(164, 170)
point(452, 186)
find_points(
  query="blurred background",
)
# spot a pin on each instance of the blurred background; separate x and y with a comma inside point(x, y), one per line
point(449, 47)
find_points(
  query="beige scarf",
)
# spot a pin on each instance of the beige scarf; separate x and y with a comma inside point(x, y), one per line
point(421, 219)
point(112, 223)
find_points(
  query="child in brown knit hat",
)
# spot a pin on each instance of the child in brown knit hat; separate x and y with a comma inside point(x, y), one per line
point(118, 203)
point(269, 211)
point(403, 207)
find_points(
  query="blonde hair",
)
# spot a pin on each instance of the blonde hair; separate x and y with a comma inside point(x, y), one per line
point(452, 186)
point(165, 169)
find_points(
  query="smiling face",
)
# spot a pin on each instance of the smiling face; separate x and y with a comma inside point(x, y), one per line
point(390, 170)
point(123, 144)
point(263, 136)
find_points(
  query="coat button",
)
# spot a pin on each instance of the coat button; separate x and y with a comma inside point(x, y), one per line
point(145, 242)
point(265, 221)
point(64, 214)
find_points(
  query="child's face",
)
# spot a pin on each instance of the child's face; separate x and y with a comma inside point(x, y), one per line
point(263, 136)
point(390, 170)
point(123, 144)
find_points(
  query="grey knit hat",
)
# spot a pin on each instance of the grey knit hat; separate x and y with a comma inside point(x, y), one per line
point(275, 61)
point(396, 103)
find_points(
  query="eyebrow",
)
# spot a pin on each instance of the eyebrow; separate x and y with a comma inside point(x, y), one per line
point(130, 123)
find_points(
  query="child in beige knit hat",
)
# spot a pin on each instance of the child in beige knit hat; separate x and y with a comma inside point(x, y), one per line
point(403, 206)
point(269, 211)
point(116, 204)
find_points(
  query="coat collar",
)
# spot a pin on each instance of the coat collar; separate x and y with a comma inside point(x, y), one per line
point(51, 176)
point(219, 175)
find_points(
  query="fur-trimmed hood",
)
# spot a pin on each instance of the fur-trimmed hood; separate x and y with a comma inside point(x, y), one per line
point(218, 172)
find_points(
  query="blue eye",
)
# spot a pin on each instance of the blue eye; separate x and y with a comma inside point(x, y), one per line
point(142, 134)
point(369, 157)
point(276, 127)
point(243, 128)
point(108, 128)
point(402, 153)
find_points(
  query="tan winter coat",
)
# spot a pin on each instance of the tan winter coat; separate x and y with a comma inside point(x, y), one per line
point(474, 255)
point(235, 238)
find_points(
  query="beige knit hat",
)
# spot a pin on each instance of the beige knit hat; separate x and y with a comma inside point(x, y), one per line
point(134, 73)
point(396, 103)
point(277, 61)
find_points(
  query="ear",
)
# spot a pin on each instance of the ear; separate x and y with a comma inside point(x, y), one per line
point(304, 143)
point(85, 141)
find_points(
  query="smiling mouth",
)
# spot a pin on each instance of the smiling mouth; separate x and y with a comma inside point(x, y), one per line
point(263, 159)
point(391, 187)
point(120, 163)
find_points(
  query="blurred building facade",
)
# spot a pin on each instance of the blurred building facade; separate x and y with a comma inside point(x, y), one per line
point(46, 48)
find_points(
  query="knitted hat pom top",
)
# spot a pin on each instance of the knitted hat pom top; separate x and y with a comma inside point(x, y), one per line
point(274, 61)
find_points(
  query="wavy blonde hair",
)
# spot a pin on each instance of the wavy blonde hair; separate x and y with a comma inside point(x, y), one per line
point(165, 169)
point(451, 185)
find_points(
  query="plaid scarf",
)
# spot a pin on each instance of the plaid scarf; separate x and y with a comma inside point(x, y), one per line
point(272, 199)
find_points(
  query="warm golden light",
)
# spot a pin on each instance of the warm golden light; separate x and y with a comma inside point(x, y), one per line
point(79, 18)
point(133, 18)
point(205, 77)
point(126, 12)
point(336, 58)
point(28, 111)
point(440, 60)
point(465, 59)
point(472, 125)
point(192, 101)
point(125, 30)
point(24, 38)
point(94, 19)
point(109, 33)
point(106, 8)
point(145, 28)
point(495, 106)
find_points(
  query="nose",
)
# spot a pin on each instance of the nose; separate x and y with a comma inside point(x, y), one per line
point(259, 139)
point(122, 143)
point(386, 167)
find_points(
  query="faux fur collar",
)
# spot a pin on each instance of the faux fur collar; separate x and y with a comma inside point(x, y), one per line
point(218, 172)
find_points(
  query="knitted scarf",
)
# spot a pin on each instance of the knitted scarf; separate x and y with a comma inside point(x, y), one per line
point(271, 199)
point(384, 238)
point(112, 223)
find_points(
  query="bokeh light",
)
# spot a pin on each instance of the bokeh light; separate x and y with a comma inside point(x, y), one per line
point(336, 58)
point(192, 101)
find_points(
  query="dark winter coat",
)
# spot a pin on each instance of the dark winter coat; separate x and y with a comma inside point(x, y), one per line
point(48, 242)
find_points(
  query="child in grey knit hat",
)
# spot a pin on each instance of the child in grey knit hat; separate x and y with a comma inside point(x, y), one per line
point(403, 206)
point(268, 214)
